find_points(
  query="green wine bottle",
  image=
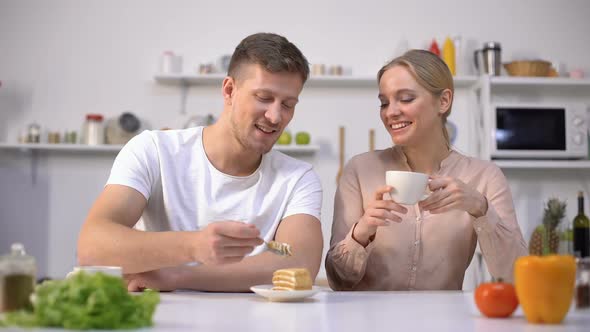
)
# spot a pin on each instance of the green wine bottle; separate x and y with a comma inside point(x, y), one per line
point(581, 230)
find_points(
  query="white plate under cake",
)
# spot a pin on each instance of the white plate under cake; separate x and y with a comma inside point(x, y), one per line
point(284, 295)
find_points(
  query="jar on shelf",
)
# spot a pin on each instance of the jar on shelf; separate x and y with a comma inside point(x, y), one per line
point(53, 137)
point(93, 130)
point(170, 63)
point(34, 133)
point(17, 279)
point(70, 137)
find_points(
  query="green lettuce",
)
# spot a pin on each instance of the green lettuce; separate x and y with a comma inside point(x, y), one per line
point(86, 301)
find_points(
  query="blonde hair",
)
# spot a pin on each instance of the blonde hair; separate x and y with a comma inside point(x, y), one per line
point(430, 72)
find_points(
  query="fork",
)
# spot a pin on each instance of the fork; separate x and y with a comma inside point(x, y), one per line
point(279, 248)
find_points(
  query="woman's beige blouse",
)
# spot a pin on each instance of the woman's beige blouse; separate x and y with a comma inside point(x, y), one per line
point(425, 251)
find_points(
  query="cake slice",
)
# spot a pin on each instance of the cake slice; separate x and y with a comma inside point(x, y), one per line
point(291, 279)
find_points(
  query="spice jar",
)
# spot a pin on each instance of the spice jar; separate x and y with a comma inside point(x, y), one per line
point(583, 283)
point(34, 133)
point(53, 137)
point(93, 130)
point(70, 137)
point(17, 279)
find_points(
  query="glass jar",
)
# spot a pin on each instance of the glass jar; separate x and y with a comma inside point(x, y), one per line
point(17, 279)
point(34, 133)
point(583, 283)
point(93, 130)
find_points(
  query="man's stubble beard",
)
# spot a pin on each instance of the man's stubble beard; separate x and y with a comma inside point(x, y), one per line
point(243, 139)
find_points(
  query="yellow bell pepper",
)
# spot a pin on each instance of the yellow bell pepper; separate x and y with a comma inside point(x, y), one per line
point(545, 286)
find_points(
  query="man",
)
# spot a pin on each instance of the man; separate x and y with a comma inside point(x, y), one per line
point(210, 195)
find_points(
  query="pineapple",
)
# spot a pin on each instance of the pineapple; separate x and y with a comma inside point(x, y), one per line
point(545, 238)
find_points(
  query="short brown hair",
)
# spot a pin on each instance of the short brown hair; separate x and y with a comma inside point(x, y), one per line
point(273, 52)
point(429, 71)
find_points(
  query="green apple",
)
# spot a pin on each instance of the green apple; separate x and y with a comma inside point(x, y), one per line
point(302, 138)
point(285, 138)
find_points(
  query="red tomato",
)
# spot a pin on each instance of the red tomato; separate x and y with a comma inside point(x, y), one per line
point(496, 299)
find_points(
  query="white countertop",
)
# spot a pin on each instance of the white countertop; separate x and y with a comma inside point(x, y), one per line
point(341, 312)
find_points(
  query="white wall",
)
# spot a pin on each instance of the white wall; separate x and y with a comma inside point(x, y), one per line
point(62, 59)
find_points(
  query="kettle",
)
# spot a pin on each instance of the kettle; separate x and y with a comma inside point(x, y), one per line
point(488, 59)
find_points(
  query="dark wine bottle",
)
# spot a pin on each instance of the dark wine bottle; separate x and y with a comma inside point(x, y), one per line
point(581, 230)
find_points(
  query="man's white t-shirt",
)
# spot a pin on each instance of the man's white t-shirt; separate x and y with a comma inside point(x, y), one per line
point(185, 192)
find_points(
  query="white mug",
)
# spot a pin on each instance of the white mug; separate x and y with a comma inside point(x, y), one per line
point(408, 187)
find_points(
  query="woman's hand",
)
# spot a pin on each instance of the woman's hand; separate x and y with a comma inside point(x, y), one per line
point(378, 213)
point(449, 193)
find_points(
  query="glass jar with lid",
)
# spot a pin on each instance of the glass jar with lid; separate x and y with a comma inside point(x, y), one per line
point(17, 278)
point(93, 130)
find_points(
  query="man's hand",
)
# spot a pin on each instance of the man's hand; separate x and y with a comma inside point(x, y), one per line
point(226, 242)
point(164, 280)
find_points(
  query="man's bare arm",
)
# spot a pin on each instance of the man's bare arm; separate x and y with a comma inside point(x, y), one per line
point(303, 232)
point(107, 237)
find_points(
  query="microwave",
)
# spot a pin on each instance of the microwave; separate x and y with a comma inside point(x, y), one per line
point(528, 131)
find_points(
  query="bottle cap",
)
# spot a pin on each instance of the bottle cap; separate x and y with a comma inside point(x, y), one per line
point(95, 117)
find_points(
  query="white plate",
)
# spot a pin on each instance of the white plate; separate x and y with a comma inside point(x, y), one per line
point(283, 296)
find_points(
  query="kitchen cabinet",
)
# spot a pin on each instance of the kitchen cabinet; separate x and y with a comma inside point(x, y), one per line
point(532, 181)
point(527, 90)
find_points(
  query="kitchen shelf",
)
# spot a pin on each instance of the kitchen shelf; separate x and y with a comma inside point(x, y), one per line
point(60, 147)
point(297, 149)
point(185, 81)
point(35, 148)
point(538, 81)
point(543, 164)
point(287, 149)
point(313, 81)
point(174, 79)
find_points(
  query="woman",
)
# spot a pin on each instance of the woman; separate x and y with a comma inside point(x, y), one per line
point(378, 244)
